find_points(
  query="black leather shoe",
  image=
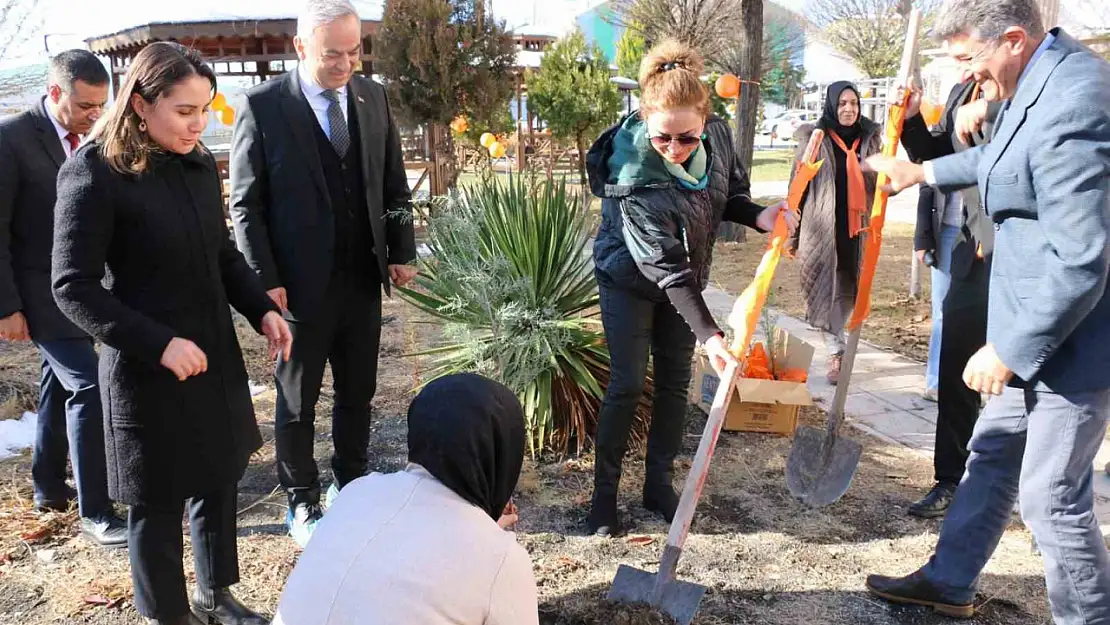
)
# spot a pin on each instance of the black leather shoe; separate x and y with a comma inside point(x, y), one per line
point(603, 520)
point(220, 607)
point(662, 500)
point(56, 504)
point(914, 589)
point(935, 504)
point(106, 530)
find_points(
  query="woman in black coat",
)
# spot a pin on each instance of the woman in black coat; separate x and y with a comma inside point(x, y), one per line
point(142, 203)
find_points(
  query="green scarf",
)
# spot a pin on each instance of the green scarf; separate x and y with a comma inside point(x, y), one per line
point(692, 175)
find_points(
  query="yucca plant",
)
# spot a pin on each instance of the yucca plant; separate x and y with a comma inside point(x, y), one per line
point(510, 280)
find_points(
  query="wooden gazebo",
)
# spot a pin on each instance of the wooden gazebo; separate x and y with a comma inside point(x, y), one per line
point(255, 48)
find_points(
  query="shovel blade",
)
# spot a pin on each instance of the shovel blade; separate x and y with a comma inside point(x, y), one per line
point(679, 599)
point(819, 474)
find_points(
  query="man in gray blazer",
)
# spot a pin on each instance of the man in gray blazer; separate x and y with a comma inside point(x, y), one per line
point(1045, 183)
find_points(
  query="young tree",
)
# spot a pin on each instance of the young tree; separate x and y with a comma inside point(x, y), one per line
point(870, 32)
point(444, 58)
point(631, 49)
point(573, 94)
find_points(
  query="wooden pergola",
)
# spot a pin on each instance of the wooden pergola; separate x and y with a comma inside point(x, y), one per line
point(251, 48)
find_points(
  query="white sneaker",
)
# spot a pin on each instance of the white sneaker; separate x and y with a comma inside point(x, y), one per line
point(930, 394)
point(331, 495)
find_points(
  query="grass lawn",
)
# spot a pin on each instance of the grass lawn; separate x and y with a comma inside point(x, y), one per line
point(771, 165)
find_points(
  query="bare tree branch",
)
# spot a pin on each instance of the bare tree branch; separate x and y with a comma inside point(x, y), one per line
point(16, 20)
point(870, 32)
point(705, 24)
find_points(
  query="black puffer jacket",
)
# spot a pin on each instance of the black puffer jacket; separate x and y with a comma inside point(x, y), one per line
point(656, 237)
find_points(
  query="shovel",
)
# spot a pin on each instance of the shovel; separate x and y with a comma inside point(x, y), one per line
point(662, 590)
point(821, 464)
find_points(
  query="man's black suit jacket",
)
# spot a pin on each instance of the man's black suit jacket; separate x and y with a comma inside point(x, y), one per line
point(30, 155)
point(923, 144)
point(280, 206)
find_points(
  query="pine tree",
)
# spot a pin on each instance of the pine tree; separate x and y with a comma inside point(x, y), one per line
point(573, 93)
point(445, 58)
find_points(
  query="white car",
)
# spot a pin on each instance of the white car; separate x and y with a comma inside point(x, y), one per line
point(787, 123)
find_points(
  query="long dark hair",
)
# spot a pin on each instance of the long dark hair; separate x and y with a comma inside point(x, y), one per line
point(154, 72)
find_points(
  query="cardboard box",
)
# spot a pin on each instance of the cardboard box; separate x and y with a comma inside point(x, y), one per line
point(760, 405)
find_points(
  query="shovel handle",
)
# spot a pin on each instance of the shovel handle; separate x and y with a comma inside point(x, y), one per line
point(695, 479)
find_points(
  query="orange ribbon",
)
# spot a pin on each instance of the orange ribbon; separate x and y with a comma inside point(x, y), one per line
point(746, 310)
point(874, 242)
point(857, 190)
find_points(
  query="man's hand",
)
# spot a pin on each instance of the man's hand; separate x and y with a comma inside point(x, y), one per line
point(277, 331)
point(766, 219)
point(921, 256)
point(985, 372)
point(402, 274)
point(14, 328)
point(970, 119)
point(913, 108)
point(509, 516)
point(280, 298)
point(184, 359)
point(902, 174)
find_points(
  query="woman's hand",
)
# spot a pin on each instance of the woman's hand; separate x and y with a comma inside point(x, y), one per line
point(277, 331)
point(509, 517)
point(766, 219)
point(719, 356)
point(184, 359)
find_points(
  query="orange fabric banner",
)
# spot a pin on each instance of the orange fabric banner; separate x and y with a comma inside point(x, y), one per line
point(745, 312)
point(874, 242)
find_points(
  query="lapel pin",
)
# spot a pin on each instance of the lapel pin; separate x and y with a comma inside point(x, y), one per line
point(361, 100)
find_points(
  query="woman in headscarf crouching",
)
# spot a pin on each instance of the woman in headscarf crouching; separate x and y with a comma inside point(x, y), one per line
point(835, 209)
point(426, 545)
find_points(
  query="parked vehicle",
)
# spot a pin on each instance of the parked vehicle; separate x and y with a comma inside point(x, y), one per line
point(786, 123)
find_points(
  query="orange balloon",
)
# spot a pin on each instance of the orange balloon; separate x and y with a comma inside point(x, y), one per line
point(497, 149)
point(219, 103)
point(459, 125)
point(227, 116)
point(931, 112)
point(728, 86)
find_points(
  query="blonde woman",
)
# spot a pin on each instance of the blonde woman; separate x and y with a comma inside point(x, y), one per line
point(668, 176)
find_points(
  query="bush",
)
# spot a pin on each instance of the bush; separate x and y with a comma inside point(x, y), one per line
point(510, 278)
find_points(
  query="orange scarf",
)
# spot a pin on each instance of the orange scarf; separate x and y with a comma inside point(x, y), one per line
point(857, 191)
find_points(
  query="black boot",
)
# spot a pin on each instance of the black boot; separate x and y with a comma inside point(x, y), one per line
point(915, 589)
point(935, 504)
point(660, 497)
point(186, 619)
point(218, 606)
point(603, 520)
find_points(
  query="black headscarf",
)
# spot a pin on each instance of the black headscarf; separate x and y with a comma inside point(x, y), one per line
point(468, 432)
point(831, 121)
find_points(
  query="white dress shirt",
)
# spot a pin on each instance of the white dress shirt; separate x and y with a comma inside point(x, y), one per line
point(62, 132)
point(314, 93)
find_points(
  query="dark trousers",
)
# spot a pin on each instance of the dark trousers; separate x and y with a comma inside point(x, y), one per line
point(963, 333)
point(70, 418)
point(634, 328)
point(156, 547)
point(346, 332)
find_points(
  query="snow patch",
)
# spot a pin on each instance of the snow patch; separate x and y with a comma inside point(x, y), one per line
point(17, 434)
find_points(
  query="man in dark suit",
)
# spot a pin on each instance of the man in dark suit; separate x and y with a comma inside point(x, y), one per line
point(1045, 183)
point(320, 206)
point(33, 145)
point(965, 259)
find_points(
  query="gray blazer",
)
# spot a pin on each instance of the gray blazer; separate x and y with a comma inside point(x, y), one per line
point(1045, 182)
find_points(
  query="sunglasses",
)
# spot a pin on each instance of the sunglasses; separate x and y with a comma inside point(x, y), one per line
point(663, 140)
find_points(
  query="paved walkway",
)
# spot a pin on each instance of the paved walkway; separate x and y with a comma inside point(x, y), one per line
point(885, 398)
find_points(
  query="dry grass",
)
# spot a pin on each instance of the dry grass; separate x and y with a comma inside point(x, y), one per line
point(896, 322)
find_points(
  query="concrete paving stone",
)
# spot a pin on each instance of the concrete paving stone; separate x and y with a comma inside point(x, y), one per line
point(866, 405)
point(907, 399)
point(880, 381)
